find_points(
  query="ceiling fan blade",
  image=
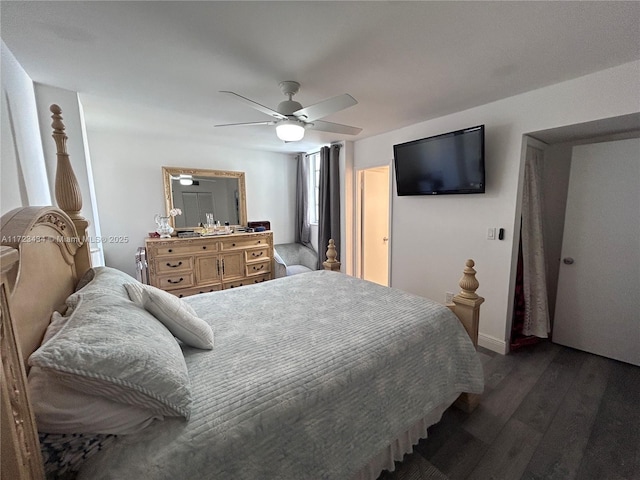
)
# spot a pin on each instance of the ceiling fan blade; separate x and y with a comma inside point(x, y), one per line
point(256, 105)
point(244, 124)
point(334, 127)
point(326, 107)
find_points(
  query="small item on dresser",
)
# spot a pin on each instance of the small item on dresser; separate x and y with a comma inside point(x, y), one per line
point(154, 235)
point(188, 234)
point(260, 223)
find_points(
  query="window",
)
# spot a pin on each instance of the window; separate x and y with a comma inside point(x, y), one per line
point(314, 186)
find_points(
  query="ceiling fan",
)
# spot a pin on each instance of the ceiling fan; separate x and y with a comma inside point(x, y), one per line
point(291, 119)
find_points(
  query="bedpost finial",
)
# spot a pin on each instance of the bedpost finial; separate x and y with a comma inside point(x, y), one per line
point(331, 263)
point(58, 134)
point(468, 283)
point(331, 251)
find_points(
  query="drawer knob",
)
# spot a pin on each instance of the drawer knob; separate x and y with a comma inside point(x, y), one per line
point(174, 266)
point(175, 281)
point(258, 268)
point(204, 247)
point(233, 244)
point(257, 254)
point(170, 250)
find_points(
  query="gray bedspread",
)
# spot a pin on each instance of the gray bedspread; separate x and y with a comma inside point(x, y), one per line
point(311, 375)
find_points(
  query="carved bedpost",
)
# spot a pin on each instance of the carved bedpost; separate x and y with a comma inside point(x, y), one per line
point(467, 302)
point(466, 306)
point(68, 193)
point(332, 263)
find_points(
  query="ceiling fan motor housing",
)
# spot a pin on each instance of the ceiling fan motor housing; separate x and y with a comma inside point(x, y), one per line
point(287, 107)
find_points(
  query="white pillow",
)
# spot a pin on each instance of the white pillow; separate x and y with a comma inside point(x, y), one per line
point(61, 409)
point(179, 318)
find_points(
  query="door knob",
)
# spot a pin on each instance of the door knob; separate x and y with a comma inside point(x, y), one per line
point(385, 239)
point(567, 260)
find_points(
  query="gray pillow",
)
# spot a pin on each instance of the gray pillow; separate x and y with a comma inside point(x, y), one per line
point(61, 409)
point(110, 347)
point(175, 314)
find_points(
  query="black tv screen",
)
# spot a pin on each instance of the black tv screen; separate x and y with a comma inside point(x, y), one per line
point(444, 164)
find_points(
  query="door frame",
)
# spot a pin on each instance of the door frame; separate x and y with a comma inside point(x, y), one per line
point(359, 176)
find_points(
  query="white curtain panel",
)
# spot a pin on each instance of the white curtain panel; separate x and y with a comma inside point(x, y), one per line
point(536, 317)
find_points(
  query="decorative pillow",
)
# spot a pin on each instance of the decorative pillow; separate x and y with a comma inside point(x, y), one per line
point(113, 349)
point(176, 315)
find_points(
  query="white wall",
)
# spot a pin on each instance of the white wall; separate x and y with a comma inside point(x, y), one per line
point(432, 236)
point(24, 179)
point(129, 189)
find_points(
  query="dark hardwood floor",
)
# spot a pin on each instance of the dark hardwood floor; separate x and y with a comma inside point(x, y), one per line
point(548, 412)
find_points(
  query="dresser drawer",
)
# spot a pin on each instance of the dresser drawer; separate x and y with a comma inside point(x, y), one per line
point(257, 254)
point(187, 249)
point(186, 292)
point(240, 243)
point(176, 280)
point(248, 281)
point(173, 264)
point(260, 278)
point(258, 268)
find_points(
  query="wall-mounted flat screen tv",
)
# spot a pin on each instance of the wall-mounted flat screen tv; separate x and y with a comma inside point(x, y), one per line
point(444, 164)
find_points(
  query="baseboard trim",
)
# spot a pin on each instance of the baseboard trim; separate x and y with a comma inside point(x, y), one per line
point(493, 344)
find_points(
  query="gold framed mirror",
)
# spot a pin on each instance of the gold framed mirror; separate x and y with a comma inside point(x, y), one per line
point(198, 192)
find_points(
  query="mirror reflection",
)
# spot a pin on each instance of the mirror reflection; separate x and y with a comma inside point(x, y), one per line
point(205, 194)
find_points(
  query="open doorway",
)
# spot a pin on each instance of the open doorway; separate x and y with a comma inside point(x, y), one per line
point(561, 154)
point(373, 218)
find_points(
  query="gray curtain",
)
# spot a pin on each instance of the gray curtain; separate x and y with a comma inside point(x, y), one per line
point(329, 199)
point(302, 228)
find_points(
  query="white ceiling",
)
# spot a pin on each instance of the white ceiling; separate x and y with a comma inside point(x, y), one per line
point(157, 67)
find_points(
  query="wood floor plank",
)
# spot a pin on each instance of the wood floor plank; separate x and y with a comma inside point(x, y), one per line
point(459, 455)
point(508, 457)
point(561, 449)
point(540, 405)
point(499, 404)
point(613, 444)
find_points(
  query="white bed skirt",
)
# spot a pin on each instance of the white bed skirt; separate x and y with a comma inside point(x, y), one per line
point(402, 445)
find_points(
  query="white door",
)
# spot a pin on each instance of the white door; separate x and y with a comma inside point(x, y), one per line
point(598, 304)
point(374, 225)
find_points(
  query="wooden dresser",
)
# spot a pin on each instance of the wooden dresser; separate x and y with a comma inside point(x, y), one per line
point(186, 266)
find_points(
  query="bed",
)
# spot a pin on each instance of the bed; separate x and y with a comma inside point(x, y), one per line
point(314, 376)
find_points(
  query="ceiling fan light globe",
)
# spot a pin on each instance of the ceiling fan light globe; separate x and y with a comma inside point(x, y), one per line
point(289, 131)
